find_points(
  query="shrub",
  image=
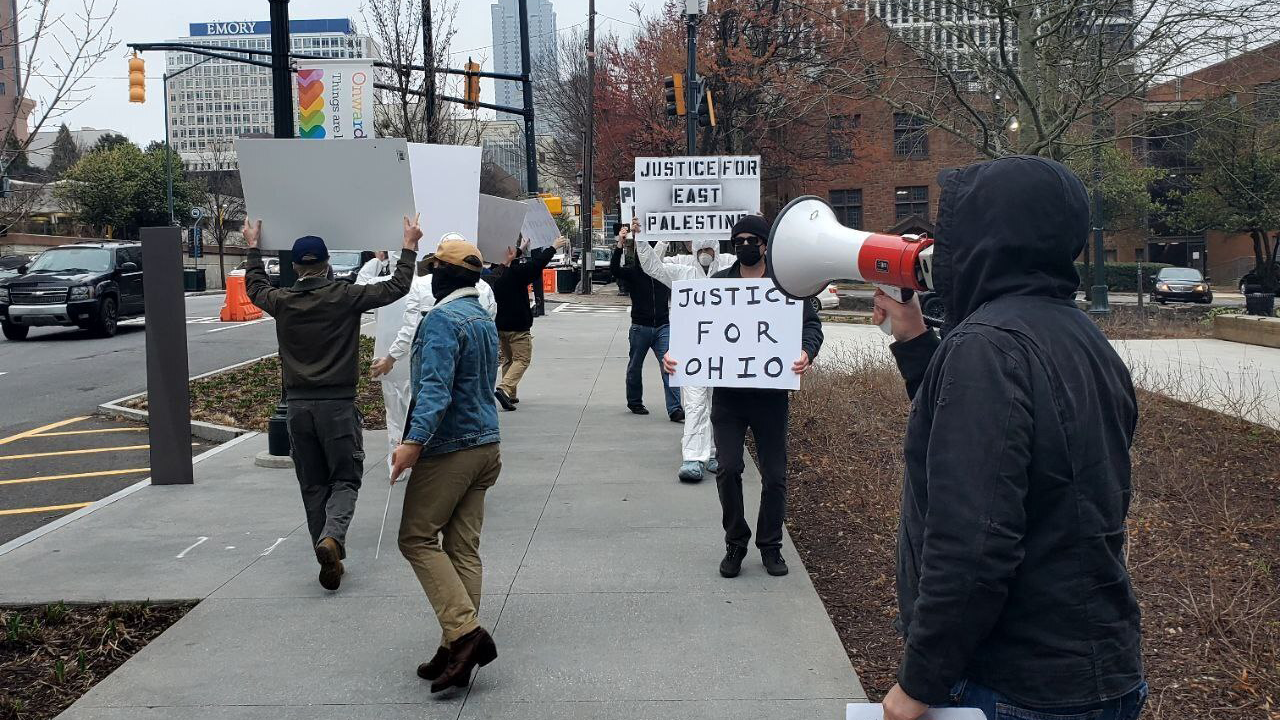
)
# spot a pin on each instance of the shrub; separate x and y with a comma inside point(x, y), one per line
point(1123, 276)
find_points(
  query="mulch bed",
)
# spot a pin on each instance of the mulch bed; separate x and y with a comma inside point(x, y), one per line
point(246, 397)
point(1204, 533)
point(1154, 322)
point(50, 655)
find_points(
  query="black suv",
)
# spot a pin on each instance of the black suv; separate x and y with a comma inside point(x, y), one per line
point(88, 285)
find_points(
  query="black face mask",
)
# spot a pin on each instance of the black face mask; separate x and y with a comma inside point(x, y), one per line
point(748, 254)
point(445, 280)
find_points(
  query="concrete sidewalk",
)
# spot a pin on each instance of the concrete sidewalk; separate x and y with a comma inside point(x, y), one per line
point(601, 583)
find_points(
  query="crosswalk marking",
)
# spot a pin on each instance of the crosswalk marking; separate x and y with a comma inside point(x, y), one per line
point(591, 309)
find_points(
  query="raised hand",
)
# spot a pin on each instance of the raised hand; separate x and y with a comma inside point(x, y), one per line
point(251, 232)
point(412, 232)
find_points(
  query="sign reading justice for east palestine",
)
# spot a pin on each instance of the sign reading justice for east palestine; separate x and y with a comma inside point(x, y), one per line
point(682, 198)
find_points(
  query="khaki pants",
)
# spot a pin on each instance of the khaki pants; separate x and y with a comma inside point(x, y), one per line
point(515, 350)
point(445, 497)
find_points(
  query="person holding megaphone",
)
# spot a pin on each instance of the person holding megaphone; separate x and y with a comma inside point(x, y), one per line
point(1013, 591)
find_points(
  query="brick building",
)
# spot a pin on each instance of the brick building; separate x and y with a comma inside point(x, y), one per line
point(15, 107)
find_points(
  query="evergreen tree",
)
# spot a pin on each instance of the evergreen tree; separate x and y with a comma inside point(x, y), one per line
point(109, 141)
point(65, 153)
point(17, 166)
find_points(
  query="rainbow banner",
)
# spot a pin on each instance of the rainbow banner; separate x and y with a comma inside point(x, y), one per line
point(335, 99)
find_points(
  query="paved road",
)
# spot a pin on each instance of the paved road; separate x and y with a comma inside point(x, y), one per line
point(58, 373)
point(54, 456)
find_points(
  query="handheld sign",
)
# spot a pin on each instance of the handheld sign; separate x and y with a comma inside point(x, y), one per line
point(734, 333)
point(499, 226)
point(691, 197)
point(539, 226)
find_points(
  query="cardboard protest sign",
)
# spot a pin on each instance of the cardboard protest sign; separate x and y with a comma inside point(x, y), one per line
point(539, 226)
point(446, 191)
point(499, 226)
point(690, 197)
point(626, 201)
point(352, 194)
point(734, 333)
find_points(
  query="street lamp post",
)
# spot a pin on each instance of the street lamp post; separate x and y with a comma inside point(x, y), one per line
point(282, 112)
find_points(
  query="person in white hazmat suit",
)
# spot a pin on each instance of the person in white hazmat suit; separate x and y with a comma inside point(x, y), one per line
point(375, 270)
point(697, 447)
point(397, 324)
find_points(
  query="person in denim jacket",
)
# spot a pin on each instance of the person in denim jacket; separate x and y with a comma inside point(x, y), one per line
point(451, 445)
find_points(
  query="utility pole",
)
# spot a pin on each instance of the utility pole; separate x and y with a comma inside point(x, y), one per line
point(282, 114)
point(1101, 303)
point(526, 64)
point(428, 62)
point(691, 79)
point(589, 147)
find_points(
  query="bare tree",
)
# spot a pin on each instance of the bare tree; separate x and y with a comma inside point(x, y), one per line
point(224, 203)
point(1044, 77)
point(560, 94)
point(58, 52)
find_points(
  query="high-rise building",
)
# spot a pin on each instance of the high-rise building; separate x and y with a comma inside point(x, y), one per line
point(15, 107)
point(219, 100)
point(505, 15)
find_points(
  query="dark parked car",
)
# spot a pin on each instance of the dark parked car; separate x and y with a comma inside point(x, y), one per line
point(1181, 284)
point(345, 264)
point(87, 285)
point(11, 264)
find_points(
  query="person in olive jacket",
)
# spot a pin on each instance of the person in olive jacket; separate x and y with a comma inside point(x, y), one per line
point(1013, 591)
point(318, 328)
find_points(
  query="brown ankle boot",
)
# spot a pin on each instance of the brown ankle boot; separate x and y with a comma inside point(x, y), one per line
point(475, 649)
point(329, 553)
point(434, 667)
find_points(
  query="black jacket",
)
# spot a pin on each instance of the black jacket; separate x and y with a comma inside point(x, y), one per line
point(1011, 564)
point(810, 336)
point(318, 325)
point(511, 290)
point(650, 299)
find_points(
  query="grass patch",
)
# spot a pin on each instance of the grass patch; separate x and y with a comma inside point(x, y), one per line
point(52, 654)
point(1204, 534)
point(246, 397)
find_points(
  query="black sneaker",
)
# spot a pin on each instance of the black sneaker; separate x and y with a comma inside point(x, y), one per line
point(638, 409)
point(731, 565)
point(504, 399)
point(773, 562)
point(678, 415)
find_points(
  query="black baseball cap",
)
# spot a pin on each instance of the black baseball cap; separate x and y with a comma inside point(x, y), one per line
point(309, 250)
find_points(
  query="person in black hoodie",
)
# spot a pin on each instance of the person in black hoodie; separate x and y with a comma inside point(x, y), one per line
point(1012, 585)
point(650, 326)
point(765, 413)
point(510, 283)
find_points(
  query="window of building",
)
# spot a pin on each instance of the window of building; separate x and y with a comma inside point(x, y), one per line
point(910, 136)
point(840, 136)
point(908, 201)
point(3, 90)
point(848, 206)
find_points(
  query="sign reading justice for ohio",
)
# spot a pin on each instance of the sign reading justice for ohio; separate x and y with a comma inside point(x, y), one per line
point(683, 198)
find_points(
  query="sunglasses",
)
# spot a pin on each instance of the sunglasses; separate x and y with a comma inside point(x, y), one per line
point(748, 240)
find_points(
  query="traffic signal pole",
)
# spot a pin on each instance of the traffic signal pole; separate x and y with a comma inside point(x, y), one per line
point(530, 143)
point(589, 148)
point(282, 113)
point(691, 86)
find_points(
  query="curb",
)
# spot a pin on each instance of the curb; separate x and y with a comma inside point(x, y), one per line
point(203, 430)
point(43, 530)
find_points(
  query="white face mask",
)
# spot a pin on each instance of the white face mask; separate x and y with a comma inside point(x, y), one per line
point(705, 259)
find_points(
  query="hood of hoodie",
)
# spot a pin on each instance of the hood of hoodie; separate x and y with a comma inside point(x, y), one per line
point(1008, 227)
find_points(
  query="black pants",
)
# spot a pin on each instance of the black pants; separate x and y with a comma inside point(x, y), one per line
point(733, 411)
point(328, 457)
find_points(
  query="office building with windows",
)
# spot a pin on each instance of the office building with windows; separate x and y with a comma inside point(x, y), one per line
point(543, 45)
point(219, 100)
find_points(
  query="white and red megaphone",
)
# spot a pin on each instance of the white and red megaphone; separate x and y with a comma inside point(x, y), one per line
point(809, 248)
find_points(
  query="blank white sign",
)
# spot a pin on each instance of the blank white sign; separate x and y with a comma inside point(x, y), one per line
point(734, 333)
point(499, 226)
point(539, 226)
point(353, 194)
point(446, 191)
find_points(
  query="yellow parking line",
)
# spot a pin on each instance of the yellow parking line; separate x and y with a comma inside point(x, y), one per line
point(72, 476)
point(34, 431)
point(47, 508)
point(74, 452)
point(88, 432)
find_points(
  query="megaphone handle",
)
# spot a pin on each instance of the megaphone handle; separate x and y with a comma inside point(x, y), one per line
point(898, 294)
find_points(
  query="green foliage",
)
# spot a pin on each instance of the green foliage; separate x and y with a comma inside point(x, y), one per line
point(1126, 195)
point(65, 153)
point(18, 165)
point(122, 189)
point(55, 613)
point(110, 141)
point(566, 225)
point(1238, 188)
point(1123, 277)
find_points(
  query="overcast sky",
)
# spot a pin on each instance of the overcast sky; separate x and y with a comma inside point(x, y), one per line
point(107, 105)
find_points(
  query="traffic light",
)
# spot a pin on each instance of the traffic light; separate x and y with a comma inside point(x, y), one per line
point(674, 85)
point(137, 80)
point(706, 110)
point(472, 92)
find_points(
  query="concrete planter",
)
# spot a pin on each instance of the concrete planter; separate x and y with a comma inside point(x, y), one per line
point(1248, 329)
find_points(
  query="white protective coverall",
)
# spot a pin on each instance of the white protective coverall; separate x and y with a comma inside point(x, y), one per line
point(397, 324)
point(374, 270)
point(697, 444)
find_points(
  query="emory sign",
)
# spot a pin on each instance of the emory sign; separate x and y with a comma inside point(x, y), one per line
point(232, 28)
